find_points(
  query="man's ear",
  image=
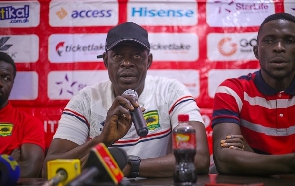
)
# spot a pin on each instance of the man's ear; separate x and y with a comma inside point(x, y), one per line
point(255, 50)
point(105, 59)
point(150, 60)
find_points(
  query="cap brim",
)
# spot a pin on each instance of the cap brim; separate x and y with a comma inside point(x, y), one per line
point(124, 40)
point(100, 56)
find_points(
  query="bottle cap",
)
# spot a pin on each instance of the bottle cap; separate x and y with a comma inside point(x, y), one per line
point(183, 117)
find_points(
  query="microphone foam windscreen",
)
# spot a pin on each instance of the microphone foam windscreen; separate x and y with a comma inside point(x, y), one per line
point(119, 155)
point(9, 170)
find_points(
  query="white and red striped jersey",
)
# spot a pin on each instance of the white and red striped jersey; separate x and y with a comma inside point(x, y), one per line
point(163, 99)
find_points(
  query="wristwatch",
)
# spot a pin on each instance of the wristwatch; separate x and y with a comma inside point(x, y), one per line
point(134, 161)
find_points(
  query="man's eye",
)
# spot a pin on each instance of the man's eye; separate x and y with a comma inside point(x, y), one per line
point(6, 78)
point(268, 40)
point(290, 40)
point(116, 55)
point(136, 56)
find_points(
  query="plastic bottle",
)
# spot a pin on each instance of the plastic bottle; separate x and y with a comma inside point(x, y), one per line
point(184, 149)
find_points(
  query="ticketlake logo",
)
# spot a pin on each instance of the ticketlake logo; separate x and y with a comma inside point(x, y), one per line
point(61, 47)
point(15, 15)
point(58, 47)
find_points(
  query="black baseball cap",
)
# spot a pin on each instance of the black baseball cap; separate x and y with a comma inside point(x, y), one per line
point(127, 31)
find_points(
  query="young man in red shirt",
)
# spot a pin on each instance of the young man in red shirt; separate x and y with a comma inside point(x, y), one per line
point(21, 135)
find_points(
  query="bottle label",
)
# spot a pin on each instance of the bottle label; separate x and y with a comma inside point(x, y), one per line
point(184, 141)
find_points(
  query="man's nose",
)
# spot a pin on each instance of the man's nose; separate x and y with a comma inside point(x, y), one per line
point(279, 47)
point(127, 63)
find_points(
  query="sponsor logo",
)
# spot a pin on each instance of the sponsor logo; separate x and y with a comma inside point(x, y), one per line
point(6, 129)
point(221, 45)
point(61, 47)
point(99, 13)
point(220, 8)
point(174, 46)
point(15, 15)
point(70, 85)
point(152, 119)
point(4, 47)
point(224, 47)
point(62, 13)
point(17, 47)
point(251, 7)
point(148, 12)
point(91, 13)
point(247, 45)
point(244, 7)
point(237, 13)
point(62, 85)
point(185, 13)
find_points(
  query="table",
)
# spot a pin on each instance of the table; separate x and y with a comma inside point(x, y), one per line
point(203, 180)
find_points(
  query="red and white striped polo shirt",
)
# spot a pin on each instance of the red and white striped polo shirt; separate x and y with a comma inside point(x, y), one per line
point(266, 116)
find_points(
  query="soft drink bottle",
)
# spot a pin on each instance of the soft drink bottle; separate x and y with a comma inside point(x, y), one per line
point(184, 149)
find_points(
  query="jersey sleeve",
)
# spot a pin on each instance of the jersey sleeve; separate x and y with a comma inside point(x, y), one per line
point(181, 101)
point(228, 102)
point(33, 132)
point(73, 125)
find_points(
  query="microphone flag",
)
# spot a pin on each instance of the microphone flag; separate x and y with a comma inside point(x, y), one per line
point(71, 167)
point(108, 162)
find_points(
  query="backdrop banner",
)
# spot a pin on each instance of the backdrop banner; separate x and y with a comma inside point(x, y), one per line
point(55, 44)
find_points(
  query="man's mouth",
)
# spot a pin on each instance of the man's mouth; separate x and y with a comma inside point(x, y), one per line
point(278, 60)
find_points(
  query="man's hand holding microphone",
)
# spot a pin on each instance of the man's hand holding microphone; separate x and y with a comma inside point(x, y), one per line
point(124, 110)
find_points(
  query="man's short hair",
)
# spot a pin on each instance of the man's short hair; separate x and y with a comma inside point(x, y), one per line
point(6, 58)
point(277, 16)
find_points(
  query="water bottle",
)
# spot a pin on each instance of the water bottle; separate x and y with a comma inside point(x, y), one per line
point(184, 149)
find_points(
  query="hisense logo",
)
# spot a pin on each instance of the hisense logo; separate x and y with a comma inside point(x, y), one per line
point(147, 12)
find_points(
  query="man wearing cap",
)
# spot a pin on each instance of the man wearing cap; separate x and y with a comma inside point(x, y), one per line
point(101, 114)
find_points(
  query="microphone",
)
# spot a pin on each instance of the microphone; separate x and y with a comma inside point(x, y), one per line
point(102, 165)
point(61, 171)
point(137, 116)
point(9, 170)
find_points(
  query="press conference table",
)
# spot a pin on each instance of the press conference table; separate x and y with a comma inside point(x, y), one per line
point(203, 180)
